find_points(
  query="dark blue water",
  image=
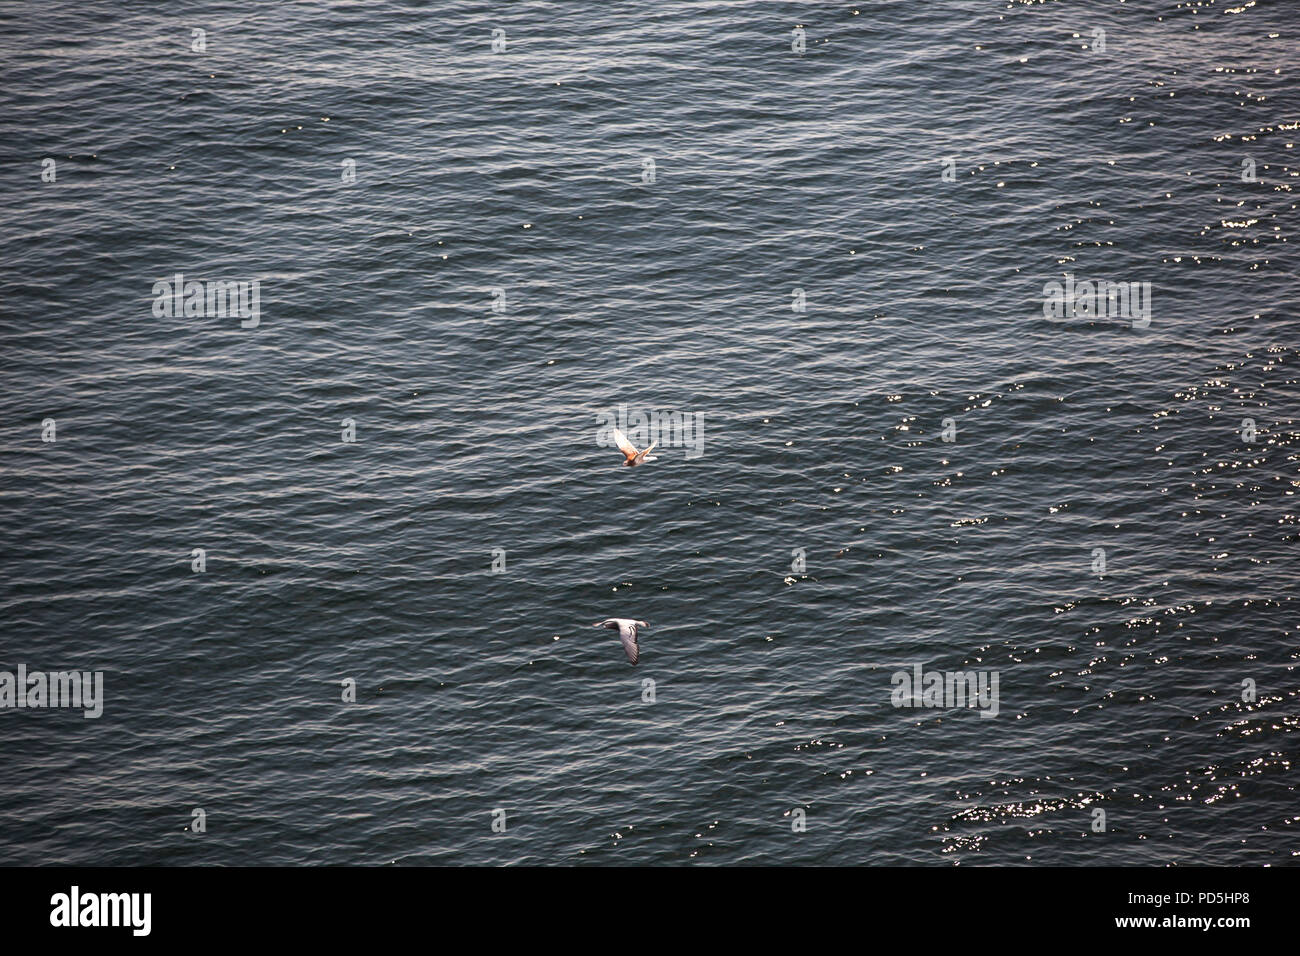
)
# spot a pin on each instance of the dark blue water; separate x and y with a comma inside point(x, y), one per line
point(476, 430)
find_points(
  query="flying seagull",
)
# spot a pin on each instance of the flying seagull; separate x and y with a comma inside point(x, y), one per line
point(627, 634)
point(631, 455)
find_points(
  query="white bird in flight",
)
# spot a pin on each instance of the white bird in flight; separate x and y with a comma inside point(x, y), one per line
point(630, 455)
point(627, 634)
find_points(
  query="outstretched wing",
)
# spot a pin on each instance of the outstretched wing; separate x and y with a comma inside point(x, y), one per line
point(625, 446)
point(627, 634)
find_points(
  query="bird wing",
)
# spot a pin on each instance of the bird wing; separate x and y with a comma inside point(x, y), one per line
point(627, 634)
point(625, 446)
